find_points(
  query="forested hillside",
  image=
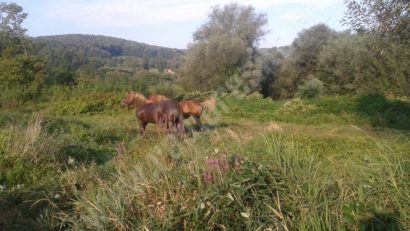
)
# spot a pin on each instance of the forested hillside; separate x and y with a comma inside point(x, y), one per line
point(77, 50)
point(106, 46)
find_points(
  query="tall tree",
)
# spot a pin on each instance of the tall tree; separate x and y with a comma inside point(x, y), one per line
point(223, 46)
point(12, 34)
point(302, 61)
point(347, 66)
point(17, 67)
point(389, 19)
point(387, 24)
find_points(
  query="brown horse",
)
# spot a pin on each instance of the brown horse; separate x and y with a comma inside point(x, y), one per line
point(190, 108)
point(166, 112)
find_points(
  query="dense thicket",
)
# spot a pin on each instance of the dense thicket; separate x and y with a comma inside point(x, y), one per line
point(375, 57)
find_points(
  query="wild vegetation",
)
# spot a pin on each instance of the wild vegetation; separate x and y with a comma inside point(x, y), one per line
point(301, 138)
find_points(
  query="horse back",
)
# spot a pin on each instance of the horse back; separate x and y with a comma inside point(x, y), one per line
point(190, 107)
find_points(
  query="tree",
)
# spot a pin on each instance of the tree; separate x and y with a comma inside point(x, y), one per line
point(17, 67)
point(223, 46)
point(386, 25)
point(389, 19)
point(347, 66)
point(12, 34)
point(302, 60)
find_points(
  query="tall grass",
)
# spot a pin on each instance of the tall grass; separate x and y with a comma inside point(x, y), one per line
point(80, 166)
point(288, 186)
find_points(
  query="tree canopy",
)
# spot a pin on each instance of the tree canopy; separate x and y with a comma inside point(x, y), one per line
point(223, 45)
point(12, 34)
point(302, 60)
point(389, 18)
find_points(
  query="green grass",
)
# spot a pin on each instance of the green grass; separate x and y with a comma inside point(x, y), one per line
point(262, 165)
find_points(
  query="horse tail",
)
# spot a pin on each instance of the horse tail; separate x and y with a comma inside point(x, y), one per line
point(209, 103)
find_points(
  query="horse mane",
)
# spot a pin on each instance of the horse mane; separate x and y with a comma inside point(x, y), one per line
point(135, 99)
point(157, 98)
point(209, 103)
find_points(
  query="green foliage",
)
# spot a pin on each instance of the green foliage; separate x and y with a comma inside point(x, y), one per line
point(92, 52)
point(367, 218)
point(348, 66)
point(241, 202)
point(209, 64)
point(311, 88)
point(171, 91)
point(385, 25)
point(89, 103)
point(28, 148)
point(302, 60)
point(384, 112)
point(223, 46)
point(252, 107)
point(387, 19)
point(296, 106)
point(12, 34)
point(92, 171)
point(22, 70)
point(341, 110)
point(336, 105)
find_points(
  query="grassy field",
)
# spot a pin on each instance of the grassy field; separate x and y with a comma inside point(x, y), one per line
point(78, 163)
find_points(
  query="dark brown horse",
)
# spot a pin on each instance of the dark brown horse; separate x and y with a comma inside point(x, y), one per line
point(190, 108)
point(168, 112)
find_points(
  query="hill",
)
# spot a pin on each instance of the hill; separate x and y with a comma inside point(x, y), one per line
point(76, 50)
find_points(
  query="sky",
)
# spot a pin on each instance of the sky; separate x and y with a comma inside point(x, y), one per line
point(171, 23)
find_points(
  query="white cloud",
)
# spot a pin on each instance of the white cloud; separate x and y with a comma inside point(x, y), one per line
point(131, 13)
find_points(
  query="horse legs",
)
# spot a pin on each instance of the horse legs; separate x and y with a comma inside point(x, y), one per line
point(198, 122)
point(142, 127)
point(180, 126)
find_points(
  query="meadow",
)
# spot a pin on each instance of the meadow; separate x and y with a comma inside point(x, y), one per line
point(73, 160)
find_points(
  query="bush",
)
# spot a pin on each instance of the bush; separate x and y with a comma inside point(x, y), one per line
point(89, 103)
point(311, 88)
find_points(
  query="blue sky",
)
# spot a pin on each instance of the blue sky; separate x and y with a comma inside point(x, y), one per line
point(170, 23)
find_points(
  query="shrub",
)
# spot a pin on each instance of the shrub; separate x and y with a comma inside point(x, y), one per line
point(311, 88)
point(89, 103)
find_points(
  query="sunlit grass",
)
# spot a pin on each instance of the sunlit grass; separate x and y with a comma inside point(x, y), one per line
point(250, 170)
